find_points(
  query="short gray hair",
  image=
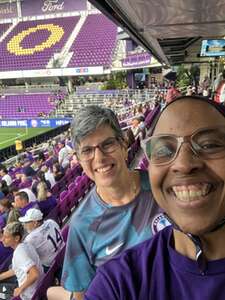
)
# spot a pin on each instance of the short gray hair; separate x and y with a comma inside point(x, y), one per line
point(15, 229)
point(89, 118)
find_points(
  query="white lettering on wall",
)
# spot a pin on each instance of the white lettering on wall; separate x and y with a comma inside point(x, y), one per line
point(6, 10)
point(52, 6)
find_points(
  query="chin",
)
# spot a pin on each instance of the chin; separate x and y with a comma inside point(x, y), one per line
point(197, 228)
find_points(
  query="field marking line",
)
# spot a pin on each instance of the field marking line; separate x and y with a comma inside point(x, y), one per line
point(12, 139)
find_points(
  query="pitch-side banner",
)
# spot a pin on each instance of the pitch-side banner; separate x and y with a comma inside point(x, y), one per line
point(32, 123)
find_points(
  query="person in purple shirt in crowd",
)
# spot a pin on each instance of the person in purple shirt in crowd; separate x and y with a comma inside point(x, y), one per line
point(20, 205)
point(46, 201)
point(186, 260)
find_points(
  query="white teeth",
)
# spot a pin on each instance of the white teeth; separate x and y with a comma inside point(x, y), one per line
point(191, 192)
point(105, 169)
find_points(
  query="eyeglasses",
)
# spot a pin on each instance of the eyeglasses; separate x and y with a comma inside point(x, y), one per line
point(107, 146)
point(207, 143)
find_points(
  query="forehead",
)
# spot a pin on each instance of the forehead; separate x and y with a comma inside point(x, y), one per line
point(6, 234)
point(186, 116)
point(99, 135)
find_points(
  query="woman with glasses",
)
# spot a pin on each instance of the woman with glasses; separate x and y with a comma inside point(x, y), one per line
point(118, 213)
point(184, 261)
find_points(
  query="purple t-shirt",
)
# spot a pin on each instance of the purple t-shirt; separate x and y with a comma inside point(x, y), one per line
point(153, 270)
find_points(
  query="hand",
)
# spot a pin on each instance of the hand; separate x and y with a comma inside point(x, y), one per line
point(17, 292)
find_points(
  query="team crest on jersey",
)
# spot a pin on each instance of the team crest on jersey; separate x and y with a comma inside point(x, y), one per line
point(159, 222)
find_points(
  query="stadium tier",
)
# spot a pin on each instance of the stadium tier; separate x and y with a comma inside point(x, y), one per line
point(4, 27)
point(25, 106)
point(31, 44)
point(95, 42)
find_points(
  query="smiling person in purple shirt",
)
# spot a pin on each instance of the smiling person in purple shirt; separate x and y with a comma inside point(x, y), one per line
point(187, 173)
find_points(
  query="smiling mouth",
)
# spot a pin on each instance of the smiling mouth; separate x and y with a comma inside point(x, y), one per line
point(104, 169)
point(193, 192)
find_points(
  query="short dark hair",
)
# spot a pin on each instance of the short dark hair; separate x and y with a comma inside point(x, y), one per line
point(3, 168)
point(23, 195)
point(91, 117)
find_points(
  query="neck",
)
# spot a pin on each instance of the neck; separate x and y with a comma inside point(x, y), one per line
point(213, 244)
point(123, 192)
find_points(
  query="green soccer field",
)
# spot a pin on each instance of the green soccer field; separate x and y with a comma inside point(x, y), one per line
point(9, 135)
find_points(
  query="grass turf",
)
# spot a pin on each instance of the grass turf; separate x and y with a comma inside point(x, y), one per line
point(9, 135)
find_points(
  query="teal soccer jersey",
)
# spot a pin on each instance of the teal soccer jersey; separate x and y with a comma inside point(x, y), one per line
point(99, 231)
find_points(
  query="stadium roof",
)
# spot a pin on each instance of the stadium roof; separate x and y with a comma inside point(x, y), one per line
point(167, 27)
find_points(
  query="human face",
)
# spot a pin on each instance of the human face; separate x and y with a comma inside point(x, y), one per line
point(18, 202)
point(30, 226)
point(106, 170)
point(190, 189)
point(8, 240)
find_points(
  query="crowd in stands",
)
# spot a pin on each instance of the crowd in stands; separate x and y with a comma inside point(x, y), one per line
point(32, 189)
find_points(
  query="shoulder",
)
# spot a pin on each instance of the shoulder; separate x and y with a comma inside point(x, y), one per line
point(146, 254)
point(90, 206)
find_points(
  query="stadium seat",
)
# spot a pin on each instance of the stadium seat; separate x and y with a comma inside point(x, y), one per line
point(48, 279)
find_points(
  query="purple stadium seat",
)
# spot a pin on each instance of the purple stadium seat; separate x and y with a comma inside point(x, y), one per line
point(28, 59)
point(48, 279)
point(71, 186)
point(31, 104)
point(64, 232)
point(62, 195)
point(95, 42)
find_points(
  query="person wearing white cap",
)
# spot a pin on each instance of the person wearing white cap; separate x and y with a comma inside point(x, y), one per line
point(45, 235)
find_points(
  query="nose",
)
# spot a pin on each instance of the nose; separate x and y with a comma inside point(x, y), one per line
point(186, 161)
point(98, 154)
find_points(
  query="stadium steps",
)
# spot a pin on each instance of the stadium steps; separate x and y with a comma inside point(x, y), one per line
point(64, 56)
point(8, 30)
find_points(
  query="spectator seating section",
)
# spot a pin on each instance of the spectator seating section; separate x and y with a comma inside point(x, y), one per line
point(4, 27)
point(95, 43)
point(70, 190)
point(25, 106)
point(31, 44)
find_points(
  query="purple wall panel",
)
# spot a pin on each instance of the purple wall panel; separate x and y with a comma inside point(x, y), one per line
point(40, 7)
point(137, 60)
point(8, 10)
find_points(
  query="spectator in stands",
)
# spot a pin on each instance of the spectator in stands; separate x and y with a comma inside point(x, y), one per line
point(64, 154)
point(4, 174)
point(48, 175)
point(185, 260)
point(46, 201)
point(73, 161)
point(138, 127)
point(57, 171)
point(4, 188)
point(117, 214)
point(44, 236)
point(21, 204)
point(26, 264)
point(172, 93)
point(5, 207)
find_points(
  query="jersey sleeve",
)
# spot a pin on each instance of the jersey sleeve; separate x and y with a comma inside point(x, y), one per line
point(77, 269)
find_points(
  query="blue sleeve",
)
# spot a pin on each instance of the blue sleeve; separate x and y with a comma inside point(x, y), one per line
point(77, 268)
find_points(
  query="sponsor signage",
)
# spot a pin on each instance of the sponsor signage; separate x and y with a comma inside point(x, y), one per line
point(137, 60)
point(8, 10)
point(40, 7)
point(32, 123)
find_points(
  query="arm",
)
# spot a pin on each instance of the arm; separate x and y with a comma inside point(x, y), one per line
point(78, 296)
point(7, 274)
point(32, 276)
